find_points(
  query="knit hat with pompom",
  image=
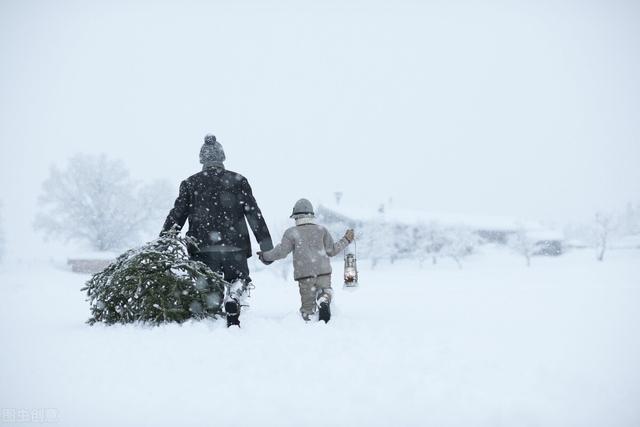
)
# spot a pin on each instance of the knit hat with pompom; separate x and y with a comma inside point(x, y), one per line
point(211, 151)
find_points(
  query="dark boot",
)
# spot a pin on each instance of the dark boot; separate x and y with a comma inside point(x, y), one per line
point(324, 313)
point(232, 307)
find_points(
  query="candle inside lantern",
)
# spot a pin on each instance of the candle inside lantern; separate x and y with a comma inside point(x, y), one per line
point(350, 270)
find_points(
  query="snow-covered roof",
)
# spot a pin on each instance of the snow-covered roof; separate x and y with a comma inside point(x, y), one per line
point(544, 234)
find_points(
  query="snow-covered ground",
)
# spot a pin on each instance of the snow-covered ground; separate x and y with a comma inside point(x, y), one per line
point(493, 344)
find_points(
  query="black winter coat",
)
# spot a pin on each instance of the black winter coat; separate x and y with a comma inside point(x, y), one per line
point(216, 202)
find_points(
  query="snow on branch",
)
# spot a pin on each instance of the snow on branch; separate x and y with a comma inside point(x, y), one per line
point(522, 244)
point(94, 200)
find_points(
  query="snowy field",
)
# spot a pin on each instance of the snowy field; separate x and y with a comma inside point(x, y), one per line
point(493, 344)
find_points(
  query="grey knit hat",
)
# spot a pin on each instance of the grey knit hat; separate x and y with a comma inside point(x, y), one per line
point(211, 151)
point(302, 208)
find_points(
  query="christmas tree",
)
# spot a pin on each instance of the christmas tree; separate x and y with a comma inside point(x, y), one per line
point(156, 283)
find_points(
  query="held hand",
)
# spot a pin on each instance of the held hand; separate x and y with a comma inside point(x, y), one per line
point(349, 235)
point(261, 258)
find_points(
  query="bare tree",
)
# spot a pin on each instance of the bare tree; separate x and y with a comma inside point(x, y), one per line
point(95, 200)
point(435, 241)
point(459, 242)
point(522, 244)
point(378, 241)
point(603, 228)
point(420, 242)
point(428, 241)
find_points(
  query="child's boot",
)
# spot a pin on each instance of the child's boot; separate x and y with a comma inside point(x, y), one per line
point(324, 312)
point(232, 307)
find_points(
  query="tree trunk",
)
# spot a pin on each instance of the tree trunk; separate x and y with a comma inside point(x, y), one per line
point(455, 258)
point(601, 253)
point(603, 248)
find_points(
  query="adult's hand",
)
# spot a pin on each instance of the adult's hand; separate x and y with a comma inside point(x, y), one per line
point(261, 258)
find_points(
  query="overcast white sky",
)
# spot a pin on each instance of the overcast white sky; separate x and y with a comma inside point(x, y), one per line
point(528, 108)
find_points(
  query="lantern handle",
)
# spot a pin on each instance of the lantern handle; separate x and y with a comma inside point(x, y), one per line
point(355, 248)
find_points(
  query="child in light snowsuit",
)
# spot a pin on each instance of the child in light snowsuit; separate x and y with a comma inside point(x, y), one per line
point(312, 245)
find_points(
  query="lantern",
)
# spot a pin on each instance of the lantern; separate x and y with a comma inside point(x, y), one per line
point(350, 269)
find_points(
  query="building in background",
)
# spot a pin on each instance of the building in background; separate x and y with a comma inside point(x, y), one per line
point(399, 229)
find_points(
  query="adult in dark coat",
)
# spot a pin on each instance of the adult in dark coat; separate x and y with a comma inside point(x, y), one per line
point(218, 204)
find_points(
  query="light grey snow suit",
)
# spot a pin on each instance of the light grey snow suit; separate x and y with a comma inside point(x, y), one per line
point(312, 245)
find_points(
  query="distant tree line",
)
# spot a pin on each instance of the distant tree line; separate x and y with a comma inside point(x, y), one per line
point(606, 228)
point(389, 241)
point(382, 240)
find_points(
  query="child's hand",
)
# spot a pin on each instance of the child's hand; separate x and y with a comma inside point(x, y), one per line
point(261, 258)
point(349, 235)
